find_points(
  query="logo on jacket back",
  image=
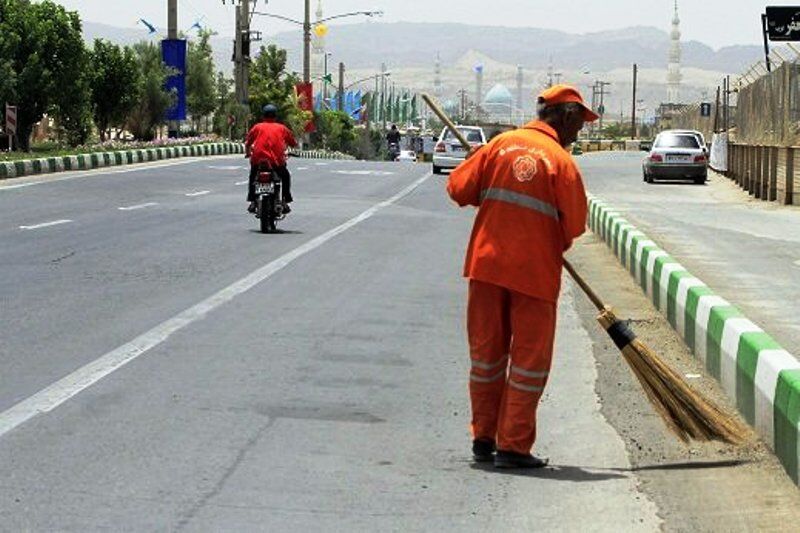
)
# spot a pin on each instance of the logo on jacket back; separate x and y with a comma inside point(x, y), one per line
point(525, 168)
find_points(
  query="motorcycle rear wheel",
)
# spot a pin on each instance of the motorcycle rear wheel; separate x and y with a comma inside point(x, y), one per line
point(267, 214)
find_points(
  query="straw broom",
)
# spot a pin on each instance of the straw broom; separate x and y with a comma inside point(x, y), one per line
point(686, 413)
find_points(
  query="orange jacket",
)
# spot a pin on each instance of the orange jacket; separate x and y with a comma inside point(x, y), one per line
point(532, 205)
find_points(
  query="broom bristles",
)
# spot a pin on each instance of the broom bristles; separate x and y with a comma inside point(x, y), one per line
point(687, 413)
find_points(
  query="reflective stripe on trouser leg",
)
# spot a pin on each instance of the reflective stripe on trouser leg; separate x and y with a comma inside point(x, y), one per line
point(489, 333)
point(533, 326)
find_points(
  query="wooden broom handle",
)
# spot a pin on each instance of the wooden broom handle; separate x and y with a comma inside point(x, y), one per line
point(571, 269)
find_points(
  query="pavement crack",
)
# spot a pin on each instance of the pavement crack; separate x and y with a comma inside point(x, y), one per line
point(229, 471)
point(62, 258)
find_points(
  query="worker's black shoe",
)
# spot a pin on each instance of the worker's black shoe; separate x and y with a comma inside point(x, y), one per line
point(518, 460)
point(483, 450)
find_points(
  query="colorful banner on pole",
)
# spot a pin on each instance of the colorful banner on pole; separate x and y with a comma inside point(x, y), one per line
point(173, 52)
point(305, 100)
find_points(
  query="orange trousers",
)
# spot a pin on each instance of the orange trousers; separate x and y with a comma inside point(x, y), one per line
point(511, 339)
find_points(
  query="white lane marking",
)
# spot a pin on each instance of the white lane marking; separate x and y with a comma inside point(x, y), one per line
point(215, 167)
point(46, 224)
point(363, 172)
point(51, 178)
point(322, 164)
point(62, 390)
point(197, 193)
point(693, 376)
point(301, 168)
point(135, 207)
point(245, 182)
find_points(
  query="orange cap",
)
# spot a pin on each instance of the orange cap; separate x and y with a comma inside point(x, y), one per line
point(565, 94)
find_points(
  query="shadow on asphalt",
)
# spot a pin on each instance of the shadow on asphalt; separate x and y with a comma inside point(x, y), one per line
point(697, 465)
point(575, 474)
point(278, 232)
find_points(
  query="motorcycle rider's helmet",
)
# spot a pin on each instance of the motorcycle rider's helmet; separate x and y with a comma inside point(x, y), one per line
point(269, 111)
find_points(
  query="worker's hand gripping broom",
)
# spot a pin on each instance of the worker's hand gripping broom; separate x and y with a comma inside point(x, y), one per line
point(686, 413)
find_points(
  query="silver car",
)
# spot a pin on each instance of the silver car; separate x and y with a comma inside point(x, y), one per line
point(448, 152)
point(676, 155)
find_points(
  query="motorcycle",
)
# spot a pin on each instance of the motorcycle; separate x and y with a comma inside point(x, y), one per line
point(269, 204)
point(394, 151)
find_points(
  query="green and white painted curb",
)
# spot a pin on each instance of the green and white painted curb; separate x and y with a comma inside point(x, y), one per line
point(50, 165)
point(322, 154)
point(754, 370)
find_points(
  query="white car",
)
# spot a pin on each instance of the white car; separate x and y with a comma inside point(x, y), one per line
point(676, 155)
point(448, 152)
point(407, 155)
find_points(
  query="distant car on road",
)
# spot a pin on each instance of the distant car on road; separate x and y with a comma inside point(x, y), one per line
point(448, 152)
point(407, 155)
point(677, 155)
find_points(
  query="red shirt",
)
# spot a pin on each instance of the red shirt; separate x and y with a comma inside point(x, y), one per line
point(267, 142)
point(532, 205)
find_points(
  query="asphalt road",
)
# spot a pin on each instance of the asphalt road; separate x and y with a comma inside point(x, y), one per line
point(747, 250)
point(167, 367)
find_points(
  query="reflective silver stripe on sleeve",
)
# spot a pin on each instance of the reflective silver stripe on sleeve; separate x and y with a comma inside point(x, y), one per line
point(528, 374)
point(526, 388)
point(523, 200)
point(489, 366)
point(480, 379)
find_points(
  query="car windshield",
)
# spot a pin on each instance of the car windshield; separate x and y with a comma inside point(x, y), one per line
point(473, 136)
point(677, 141)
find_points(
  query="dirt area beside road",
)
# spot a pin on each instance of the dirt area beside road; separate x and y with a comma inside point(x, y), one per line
point(699, 487)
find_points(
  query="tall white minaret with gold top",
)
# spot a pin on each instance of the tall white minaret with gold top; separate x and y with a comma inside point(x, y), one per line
point(318, 50)
point(674, 75)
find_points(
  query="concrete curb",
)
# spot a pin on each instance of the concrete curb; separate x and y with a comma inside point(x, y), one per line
point(754, 370)
point(51, 165)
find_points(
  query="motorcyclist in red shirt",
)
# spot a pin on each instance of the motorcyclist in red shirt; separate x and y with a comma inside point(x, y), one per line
point(267, 143)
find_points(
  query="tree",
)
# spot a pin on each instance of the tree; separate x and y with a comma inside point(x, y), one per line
point(228, 108)
point(116, 85)
point(44, 67)
point(200, 82)
point(150, 110)
point(270, 83)
point(336, 131)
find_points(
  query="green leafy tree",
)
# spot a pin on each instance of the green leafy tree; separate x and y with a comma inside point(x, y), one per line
point(201, 97)
point(270, 83)
point(227, 109)
point(154, 100)
point(44, 67)
point(116, 85)
point(336, 131)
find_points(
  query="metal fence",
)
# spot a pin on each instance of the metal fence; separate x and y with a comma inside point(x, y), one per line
point(769, 108)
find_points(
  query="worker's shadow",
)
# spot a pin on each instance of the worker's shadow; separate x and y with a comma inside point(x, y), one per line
point(575, 474)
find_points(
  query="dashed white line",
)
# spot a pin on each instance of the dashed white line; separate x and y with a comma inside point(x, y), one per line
point(62, 390)
point(197, 193)
point(46, 224)
point(135, 207)
point(245, 182)
point(301, 168)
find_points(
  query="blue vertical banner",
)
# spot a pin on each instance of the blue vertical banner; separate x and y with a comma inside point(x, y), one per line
point(173, 53)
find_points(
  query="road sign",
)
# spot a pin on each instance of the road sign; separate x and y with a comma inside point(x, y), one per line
point(783, 23)
point(705, 110)
point(11, 119)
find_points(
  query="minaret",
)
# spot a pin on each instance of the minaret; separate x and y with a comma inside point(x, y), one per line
point(674, 75)
point(478, 84)
point(318, 51)
point(438, 90)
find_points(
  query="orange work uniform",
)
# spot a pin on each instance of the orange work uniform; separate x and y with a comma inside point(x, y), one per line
point(532, 205)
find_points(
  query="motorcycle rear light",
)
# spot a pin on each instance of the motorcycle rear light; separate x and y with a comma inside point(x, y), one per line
point(656, 157)
point(440, 147)
point(264, 177)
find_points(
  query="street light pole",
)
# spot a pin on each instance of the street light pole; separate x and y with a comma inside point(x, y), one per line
point(307, 43)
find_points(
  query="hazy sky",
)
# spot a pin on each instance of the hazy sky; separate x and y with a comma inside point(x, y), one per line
point(714, 22)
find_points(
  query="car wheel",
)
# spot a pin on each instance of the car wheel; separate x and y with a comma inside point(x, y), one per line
point(701, 180)
point(644, 175)
point(649, 178)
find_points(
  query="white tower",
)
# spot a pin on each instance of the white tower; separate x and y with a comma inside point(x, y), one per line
point(674, 75)
point(438, 90)
point(318, 51)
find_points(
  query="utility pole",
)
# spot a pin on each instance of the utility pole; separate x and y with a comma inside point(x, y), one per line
point(341, 86)
point(716, 110)
point(383, 95)
point(633, 113)
point(307, 43)
point(241, 52)
point(601, 88)
point(173, 128)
